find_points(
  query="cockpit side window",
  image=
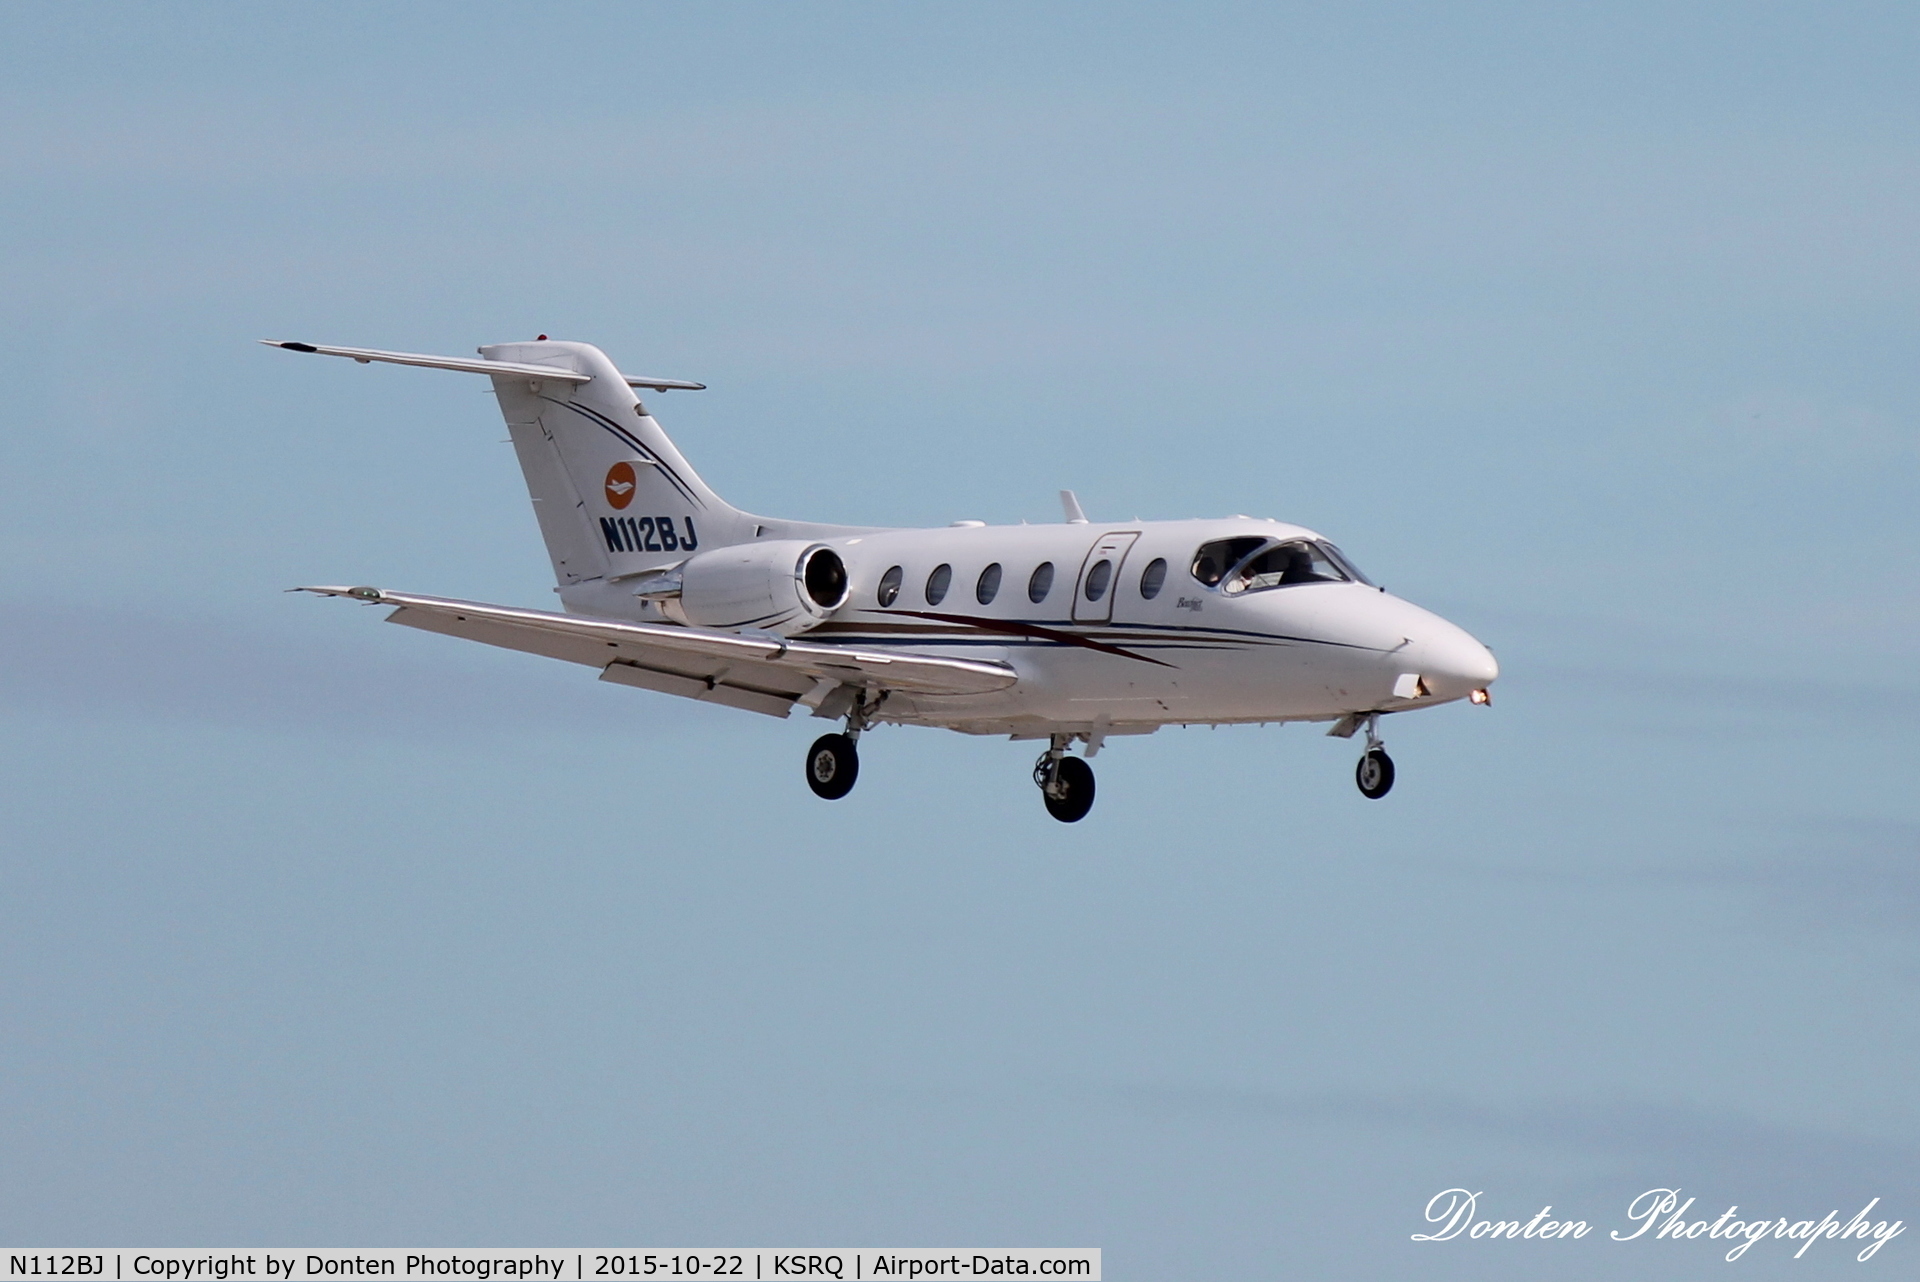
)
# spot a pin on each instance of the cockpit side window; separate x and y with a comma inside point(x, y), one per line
point(1284, 564)
point(1213, 560)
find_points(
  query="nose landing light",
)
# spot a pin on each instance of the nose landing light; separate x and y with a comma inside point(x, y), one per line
point(1482, 696)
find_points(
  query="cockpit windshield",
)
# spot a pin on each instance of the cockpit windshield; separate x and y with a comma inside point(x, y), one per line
point(1256, 564)
point(1345, 562)
point(1294, 561)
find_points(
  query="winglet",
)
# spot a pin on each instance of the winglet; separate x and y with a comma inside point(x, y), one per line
point(1071, 505)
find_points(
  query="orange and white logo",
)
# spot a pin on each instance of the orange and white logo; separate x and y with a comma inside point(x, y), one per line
point(620, 485)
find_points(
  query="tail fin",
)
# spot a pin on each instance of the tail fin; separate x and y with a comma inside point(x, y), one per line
point(614, 498)
point(612, 494)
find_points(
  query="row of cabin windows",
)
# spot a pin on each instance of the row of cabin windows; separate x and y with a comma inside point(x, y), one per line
point(1248, 564)
point(1039, 583)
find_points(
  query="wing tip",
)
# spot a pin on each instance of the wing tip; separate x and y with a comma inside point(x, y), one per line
point(360, 593)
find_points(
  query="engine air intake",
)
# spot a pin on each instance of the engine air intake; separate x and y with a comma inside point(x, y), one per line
point(825, 575)
point(784, 586)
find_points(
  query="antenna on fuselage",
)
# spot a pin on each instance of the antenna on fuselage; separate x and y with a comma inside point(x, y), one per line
point(1071, 506)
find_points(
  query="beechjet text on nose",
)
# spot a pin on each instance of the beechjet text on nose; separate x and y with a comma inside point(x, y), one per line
point(1069, 633)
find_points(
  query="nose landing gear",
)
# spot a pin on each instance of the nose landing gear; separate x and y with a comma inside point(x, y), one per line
point(1065, 783)
point(1374, 774)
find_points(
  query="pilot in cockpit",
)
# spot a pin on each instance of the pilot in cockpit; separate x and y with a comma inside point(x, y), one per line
point(1237, 566)
point(1297, 564)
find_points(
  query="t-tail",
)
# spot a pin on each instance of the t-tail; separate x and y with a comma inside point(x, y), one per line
point(613, 496)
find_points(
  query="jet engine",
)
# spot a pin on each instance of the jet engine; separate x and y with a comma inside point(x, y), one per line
point(785, 586)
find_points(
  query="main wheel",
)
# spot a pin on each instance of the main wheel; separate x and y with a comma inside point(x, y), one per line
point(833, 764)
point(1073, 781)
point(1374, 774)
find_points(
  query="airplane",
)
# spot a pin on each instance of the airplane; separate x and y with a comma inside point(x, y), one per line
point(1071, 633)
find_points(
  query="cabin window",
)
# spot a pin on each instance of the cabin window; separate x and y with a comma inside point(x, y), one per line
point(1098, 578)
point(989, 585)
point(889, 590)
point(937, 584)
point(1285, 564)
point(1153, 578)
point(1213, 560)
point(1041, 583)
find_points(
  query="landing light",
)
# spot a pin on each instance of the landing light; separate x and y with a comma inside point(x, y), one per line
point(1481, 697)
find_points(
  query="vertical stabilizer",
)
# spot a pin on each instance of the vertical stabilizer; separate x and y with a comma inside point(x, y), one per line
point(612, 494)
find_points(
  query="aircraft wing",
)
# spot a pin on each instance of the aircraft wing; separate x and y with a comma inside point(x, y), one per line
point(761, 673)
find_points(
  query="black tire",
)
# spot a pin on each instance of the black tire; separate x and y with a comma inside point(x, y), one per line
point(833, 766)
point(1075, 778)
point(1374, 774)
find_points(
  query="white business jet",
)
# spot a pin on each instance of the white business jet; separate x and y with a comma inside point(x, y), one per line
point(1068, 633)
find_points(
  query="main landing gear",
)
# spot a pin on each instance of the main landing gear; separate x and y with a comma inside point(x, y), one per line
point(833, 766)
point(833, 762)
point(1066, 783)
point(1374, 774)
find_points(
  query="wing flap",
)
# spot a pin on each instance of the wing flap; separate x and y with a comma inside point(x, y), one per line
point(707, 690)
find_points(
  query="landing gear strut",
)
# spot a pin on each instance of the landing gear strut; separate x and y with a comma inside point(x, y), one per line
point(1374, 774)
point(1066, 783)
point(833, 762)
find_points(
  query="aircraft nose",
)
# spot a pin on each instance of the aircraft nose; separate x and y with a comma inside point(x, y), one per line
point(1454, 664)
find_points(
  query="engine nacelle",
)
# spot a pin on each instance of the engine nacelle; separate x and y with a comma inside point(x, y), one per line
point(785, 586)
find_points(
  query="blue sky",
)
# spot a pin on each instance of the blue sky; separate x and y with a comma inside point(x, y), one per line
point(1591, 330)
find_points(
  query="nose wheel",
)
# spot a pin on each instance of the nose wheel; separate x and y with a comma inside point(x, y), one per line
point(1066, 783)
point(1374, 774)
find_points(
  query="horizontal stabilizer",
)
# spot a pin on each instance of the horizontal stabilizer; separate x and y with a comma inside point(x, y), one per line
point(466, 364)
point(479, 365)
point(664, 384)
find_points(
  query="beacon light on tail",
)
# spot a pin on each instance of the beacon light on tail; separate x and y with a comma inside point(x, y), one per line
point(1067, 634)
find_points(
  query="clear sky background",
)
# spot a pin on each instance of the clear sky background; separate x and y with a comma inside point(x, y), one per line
point(1593, 330)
